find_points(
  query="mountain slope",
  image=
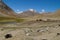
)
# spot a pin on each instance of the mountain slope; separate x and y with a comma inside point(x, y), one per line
point(28, 13)
point(5, 10)
point(56, 14)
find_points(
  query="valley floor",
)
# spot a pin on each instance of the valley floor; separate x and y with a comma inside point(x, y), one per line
point(31, 30)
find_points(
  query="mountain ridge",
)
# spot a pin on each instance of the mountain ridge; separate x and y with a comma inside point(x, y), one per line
point(4, 9)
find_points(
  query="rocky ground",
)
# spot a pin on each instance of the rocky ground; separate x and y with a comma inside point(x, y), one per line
point(31, 30)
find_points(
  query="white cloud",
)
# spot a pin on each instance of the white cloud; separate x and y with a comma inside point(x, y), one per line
point(43, 10)
point(17, 10)
point(20, 12)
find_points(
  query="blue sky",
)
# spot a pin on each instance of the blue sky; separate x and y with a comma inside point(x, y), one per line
point(22, 5)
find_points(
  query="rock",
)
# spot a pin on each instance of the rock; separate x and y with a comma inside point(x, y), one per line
point(44, 39)
point(8, 36)
point(58, 33)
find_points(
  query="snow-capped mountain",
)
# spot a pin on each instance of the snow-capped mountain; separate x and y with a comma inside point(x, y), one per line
point(29, 12)
point(32, 10)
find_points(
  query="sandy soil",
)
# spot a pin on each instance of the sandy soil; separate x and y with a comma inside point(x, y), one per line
point(31, 30)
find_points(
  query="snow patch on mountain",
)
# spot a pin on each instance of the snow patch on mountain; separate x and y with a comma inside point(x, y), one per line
point(32, 10)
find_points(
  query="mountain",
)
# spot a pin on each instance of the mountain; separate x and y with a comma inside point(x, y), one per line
point(56, 14)
point(5, 10)
point(28, 13)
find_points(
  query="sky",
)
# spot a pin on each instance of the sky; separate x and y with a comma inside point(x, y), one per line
point(38, 5)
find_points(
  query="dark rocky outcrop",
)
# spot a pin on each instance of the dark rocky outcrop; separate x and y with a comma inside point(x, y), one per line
point(8, 36)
